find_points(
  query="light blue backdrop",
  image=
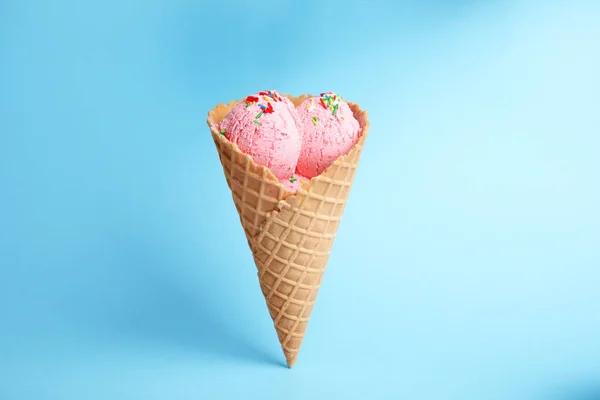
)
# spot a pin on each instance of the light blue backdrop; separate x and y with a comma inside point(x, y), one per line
point(467, 265)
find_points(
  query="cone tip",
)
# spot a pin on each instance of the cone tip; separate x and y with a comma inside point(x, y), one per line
point(290, 358)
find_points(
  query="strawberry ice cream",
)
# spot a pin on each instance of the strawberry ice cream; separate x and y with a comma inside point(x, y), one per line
point(329, 130)
point(264, 126)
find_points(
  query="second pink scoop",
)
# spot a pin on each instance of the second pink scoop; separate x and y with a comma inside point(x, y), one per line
point(329, 131)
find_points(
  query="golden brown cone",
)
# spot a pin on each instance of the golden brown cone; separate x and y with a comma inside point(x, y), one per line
point(290, 235)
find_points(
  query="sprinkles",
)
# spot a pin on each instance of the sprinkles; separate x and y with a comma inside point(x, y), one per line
point(293, 179)
point(330, 101)
point(271, 94)
point(223, 132)
point(251, 100)
point(315, 121)
point(323, 103)
point(268, 109)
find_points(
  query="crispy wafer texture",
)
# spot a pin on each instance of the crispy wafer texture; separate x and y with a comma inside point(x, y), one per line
point(290, 235)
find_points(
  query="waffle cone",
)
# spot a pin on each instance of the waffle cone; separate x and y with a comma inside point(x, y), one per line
point(290, 235)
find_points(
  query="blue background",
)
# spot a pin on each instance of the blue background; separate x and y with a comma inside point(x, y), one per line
point(467, 265)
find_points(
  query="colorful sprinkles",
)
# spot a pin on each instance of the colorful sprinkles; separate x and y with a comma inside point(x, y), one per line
point(330, 101)
point(293, 179)
point(223, 132)
point(315, 121)
point(271, 94)
point(264, 109)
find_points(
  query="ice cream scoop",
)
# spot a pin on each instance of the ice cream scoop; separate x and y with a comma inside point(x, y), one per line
point(329, 131)
point(264, 127)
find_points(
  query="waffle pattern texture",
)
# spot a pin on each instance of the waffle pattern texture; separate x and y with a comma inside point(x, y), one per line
point(290, 235)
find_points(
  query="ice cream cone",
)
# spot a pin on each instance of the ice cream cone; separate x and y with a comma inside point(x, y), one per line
point(290, 235)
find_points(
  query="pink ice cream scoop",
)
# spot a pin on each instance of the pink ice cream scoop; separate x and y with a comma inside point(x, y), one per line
point(264, 127)
point(329, 131)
